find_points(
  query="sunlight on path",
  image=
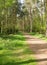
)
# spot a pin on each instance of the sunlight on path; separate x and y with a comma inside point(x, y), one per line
point(39, 47)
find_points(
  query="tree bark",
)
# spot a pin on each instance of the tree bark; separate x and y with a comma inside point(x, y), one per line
point(46, 15)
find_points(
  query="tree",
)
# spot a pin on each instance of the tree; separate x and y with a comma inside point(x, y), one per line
point(8, 13)
point(46, 14)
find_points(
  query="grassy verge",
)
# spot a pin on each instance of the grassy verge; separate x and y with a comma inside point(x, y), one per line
point(14, 51)
point(41, 36)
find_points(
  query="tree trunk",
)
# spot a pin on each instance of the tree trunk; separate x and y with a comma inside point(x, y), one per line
point(1, 27)
point(46, 15)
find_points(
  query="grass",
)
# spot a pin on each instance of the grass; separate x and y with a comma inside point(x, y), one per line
point(14, 51)
point(41, 36)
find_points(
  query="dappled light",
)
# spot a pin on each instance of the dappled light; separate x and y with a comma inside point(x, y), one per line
point(23, 32)
point(14, 50)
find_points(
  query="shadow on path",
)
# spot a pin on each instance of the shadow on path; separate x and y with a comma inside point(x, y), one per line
point(25, 62)
point(39, 48)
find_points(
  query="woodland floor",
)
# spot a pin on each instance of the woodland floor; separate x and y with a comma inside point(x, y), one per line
point(39, 48)
point(15, 51)
point(19, 49)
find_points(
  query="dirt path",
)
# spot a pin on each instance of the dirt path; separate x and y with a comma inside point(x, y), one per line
point(39, 48)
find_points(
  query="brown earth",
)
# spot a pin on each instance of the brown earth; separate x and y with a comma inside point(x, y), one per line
point(39, 47)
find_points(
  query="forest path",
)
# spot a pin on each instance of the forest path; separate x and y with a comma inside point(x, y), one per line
point(39, 48)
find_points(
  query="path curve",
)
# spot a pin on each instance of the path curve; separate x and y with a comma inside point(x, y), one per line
point(39, 47)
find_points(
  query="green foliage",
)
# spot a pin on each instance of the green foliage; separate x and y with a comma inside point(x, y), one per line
point(28, 17)
point(37, 35)
point(15, 51)
point(38, 25)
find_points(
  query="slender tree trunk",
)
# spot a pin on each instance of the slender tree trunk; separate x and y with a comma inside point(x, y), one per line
point(46, 15)
point(1, 27)
point(30, 19)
